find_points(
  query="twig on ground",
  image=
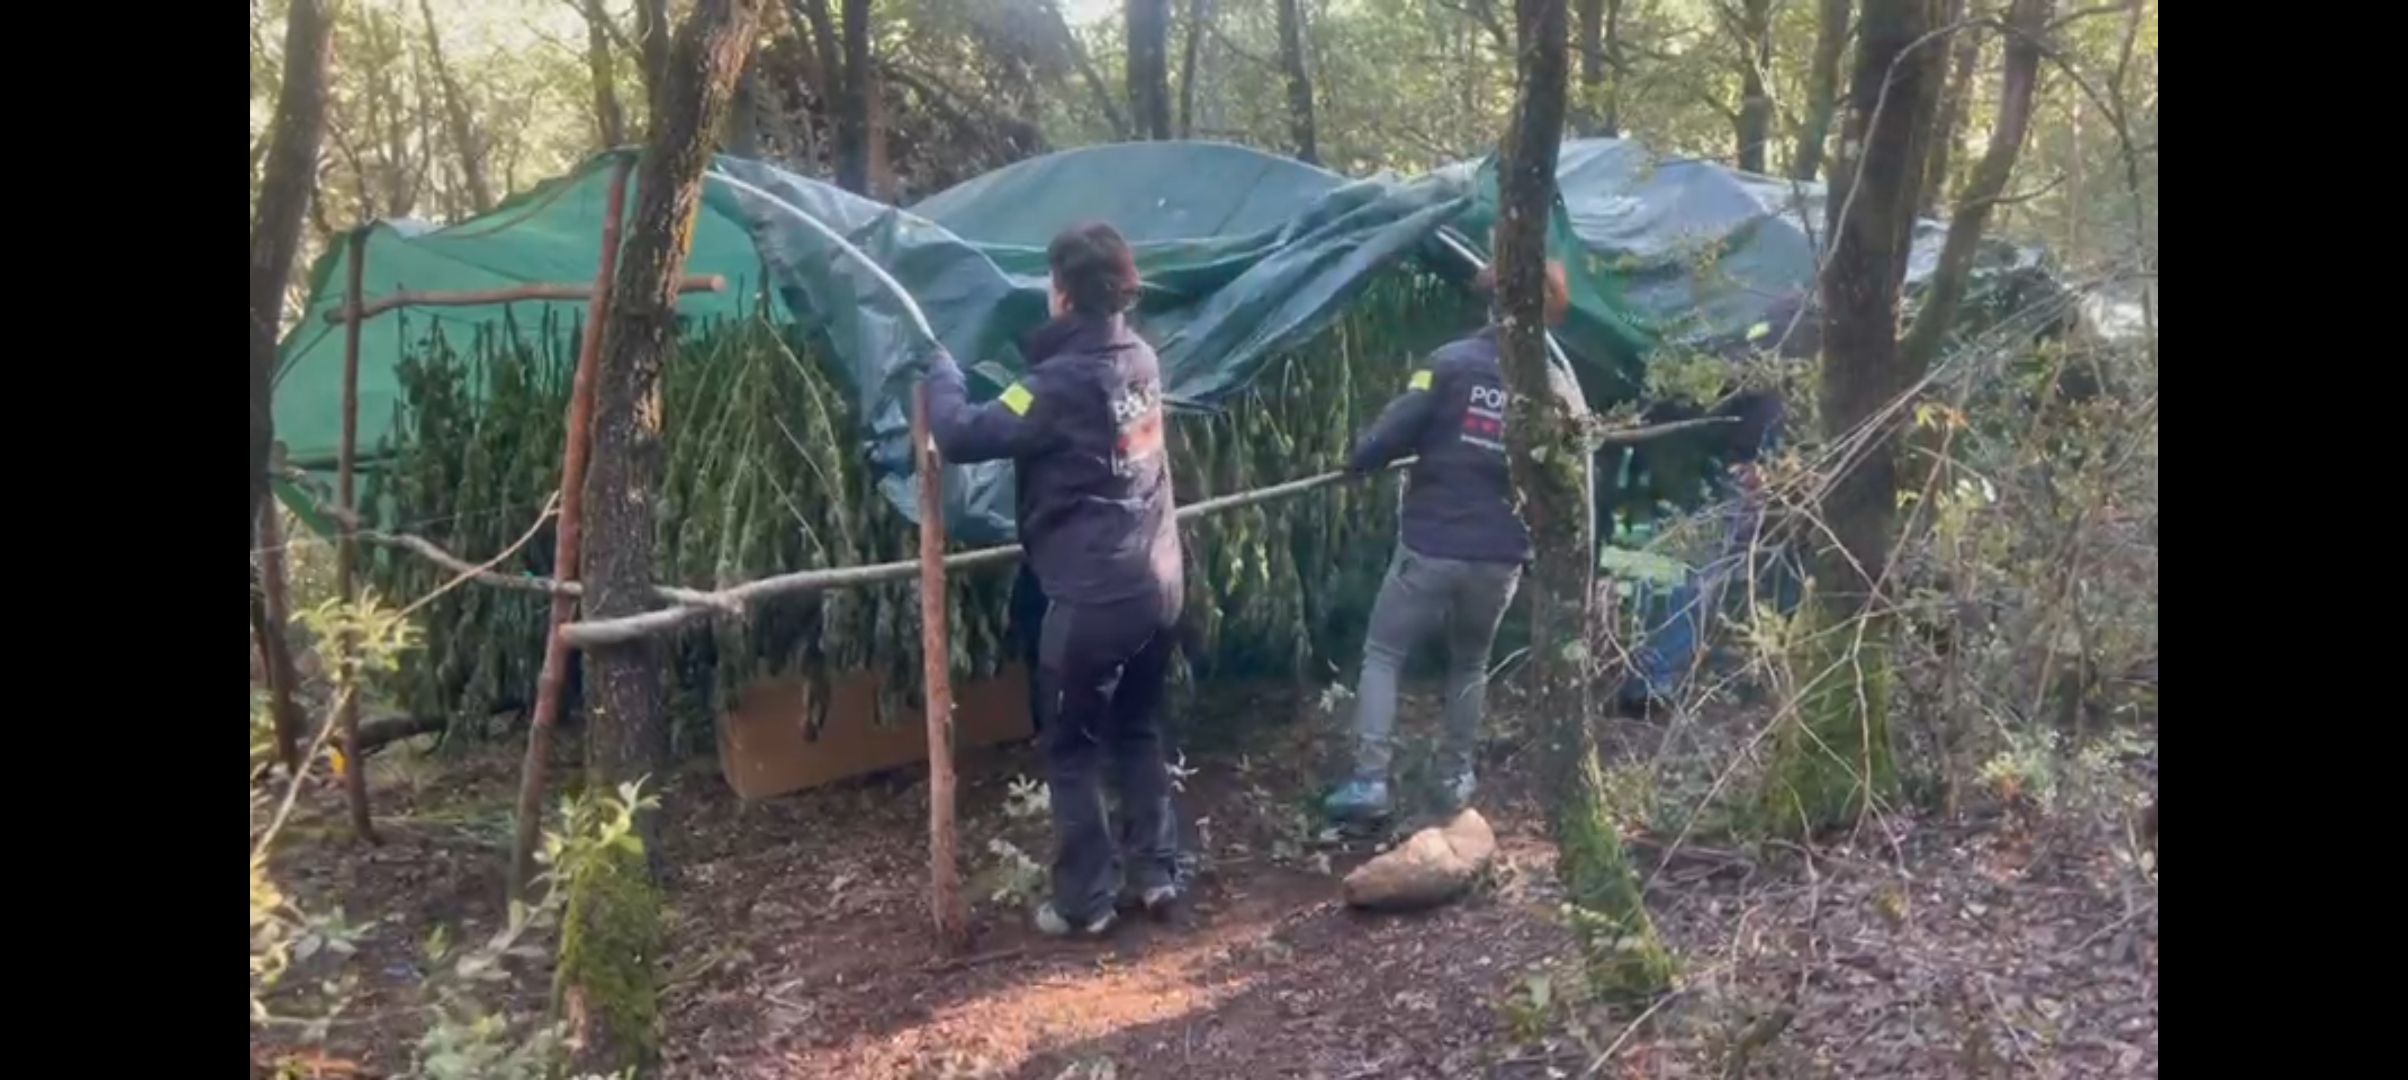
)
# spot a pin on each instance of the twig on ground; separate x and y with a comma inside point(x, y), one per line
point(2097, 935)
point(1629, 1030)
point(939, 967)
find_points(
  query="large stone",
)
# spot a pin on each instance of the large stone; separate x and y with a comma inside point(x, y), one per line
point(1436, 865)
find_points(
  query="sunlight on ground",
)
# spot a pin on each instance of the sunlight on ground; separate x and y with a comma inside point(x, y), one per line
point(1063, 1010)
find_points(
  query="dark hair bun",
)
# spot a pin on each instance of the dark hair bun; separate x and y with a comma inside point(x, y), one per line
point(1093, 266)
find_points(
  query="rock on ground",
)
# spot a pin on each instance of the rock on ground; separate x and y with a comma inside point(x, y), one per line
point(1436, 865)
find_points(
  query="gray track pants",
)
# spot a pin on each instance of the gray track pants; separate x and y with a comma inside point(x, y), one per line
point(1425, 597)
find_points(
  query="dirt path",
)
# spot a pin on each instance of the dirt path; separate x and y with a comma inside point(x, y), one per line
point(800, 948)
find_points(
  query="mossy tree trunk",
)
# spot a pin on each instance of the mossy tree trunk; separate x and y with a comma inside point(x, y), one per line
point(1833, 759)
point(1550, 471)
point(609, 944)
point(1832, 755)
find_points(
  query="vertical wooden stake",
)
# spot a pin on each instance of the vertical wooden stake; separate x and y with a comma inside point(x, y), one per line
point(569, 535)
point(346, 552)
point(944, 861)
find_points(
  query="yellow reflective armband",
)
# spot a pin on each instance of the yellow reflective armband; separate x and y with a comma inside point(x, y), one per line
point(1017, 398)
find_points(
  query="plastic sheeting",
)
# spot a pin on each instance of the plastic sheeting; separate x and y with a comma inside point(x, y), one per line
point(1244, 255)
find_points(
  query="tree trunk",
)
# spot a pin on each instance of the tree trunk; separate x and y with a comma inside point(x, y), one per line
point(1833, 755)
point(285, 189)
point(1096, 86)
point(744, 115)
point(1148, 24)
point(1199, 23)
point(610, 118)
point(1956, 107)
point(1822, 90)
point(1597, 113)
point(2027, 20)
point(1300, 82)
point(1549, 463)
point(1754, 121)
point(608, 971)
point(853, 99)
point(459, 119)
point(271, 612)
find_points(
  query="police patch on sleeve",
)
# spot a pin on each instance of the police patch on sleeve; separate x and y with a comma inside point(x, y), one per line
point(1017, 398)
point(1419, 381)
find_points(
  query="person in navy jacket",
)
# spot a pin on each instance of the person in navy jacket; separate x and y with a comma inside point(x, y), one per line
point(1459, 554)
point(1084, 428)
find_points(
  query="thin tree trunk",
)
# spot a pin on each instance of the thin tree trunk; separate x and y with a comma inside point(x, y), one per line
point(652, 40)
point(1593, 111)
point(1105, 102)
point(1871, 208)
point(853, 99)
point(610, 118)
point(1617, 65)
point(1822, 89)
point(608, 974)
point(1754, 121)
point(285, 189)
point(814, 20)
point(825, 57)
point(2027, 21)
point(1300, 82)
point(744, 115)
point(1956, 100)
point(459, 119)
point(271, 612)
point(1550, 466)
point(1199, 23)
point(1148, 27)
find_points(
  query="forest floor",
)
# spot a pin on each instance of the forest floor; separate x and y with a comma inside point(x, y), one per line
point(2021, 945)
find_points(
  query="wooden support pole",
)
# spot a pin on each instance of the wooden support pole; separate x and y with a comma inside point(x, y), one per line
point(945, 901)
point(691, 283)
point(565, 550)
point(346, 552)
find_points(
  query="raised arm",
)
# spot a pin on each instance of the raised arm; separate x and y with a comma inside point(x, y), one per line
point(1014, 425)
point(1398, 429)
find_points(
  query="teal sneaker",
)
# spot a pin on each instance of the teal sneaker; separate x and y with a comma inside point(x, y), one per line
point(1358, 800)
point(1051, 923)
point(1456, 794)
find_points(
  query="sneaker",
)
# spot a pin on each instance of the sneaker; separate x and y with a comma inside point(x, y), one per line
point(1051, 923)
point(1156, 900)
point(1358, 800)
point(1456, 794)
point(1151, 899)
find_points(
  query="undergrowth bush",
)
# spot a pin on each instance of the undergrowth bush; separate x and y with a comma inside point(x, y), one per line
point(464, 1038)
point(2020, 622)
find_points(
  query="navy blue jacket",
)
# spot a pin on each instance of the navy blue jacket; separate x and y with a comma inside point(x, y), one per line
point(1084, 430)
point(1458, 496)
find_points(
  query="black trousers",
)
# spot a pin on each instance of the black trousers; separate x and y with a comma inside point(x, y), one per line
point(1027, 622)
point(1100, 678)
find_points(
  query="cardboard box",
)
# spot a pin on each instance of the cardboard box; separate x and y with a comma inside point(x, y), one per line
point(766, 749)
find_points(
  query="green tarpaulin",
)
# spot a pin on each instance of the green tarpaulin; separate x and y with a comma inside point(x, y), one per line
point(1244, 255)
